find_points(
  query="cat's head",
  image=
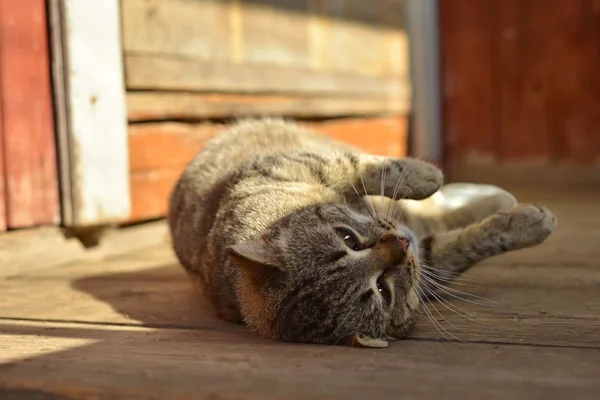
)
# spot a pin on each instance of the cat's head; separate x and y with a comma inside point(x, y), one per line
point(330, 274)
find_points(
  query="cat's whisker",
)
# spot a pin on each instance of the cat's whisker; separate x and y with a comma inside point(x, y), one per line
point(453, 311)
point(397, 210)
point(393, 205)
point(438, 326)
point(454, 281)
point(443, 280)
point(457, 276)
point(370, 200)
point(430, 317)
point(383, 173)
point(444, 289)
point(446, 281)
point(449, 280)
point(492, 302)
point(361, 201)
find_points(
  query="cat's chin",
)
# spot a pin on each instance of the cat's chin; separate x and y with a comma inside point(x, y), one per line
point(362, 340)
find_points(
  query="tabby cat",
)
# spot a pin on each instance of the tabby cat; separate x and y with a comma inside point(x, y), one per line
point(302, 239)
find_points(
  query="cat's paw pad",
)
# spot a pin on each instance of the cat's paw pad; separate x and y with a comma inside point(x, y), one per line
point(422, 179)
point(528, 224)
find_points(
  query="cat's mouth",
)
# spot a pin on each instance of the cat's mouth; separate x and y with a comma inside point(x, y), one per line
point(362, 340)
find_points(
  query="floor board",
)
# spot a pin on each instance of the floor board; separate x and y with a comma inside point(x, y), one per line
point(133, 326)
point(84, 361)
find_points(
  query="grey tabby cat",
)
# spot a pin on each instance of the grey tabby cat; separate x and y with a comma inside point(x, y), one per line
point(273, 221)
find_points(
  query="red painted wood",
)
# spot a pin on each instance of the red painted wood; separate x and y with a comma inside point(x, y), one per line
point(521, 81)
point(29, 145)
point(466, 79)
point(2, 191)
point(508, 71)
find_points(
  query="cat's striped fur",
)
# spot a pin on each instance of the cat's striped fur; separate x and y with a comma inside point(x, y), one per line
point(266, 214)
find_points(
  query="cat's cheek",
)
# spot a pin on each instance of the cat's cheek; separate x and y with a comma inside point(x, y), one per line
point(413, 300)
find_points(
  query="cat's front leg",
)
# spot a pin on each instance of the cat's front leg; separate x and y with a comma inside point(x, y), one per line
point(446, 255)
point(397, 178)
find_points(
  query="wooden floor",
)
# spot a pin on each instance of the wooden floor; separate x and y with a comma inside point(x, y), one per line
point(132, 326)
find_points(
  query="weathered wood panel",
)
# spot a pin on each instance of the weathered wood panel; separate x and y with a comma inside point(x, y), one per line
point(29, 159)
point(194, 61)
point(154, 72)
point(92, 112)
point(299, 34)
point(160, 106)
point(160, 151)
point(270, 46)
point(517, 88)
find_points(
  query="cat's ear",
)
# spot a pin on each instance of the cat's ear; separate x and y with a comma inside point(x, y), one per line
point(253, 254)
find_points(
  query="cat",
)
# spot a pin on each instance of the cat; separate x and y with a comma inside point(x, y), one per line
point(301, 237)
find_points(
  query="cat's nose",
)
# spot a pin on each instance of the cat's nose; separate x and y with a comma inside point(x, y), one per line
point(393, 249)
point(395, 240)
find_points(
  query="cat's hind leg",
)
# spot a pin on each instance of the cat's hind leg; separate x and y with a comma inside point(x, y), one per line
point(445, 255)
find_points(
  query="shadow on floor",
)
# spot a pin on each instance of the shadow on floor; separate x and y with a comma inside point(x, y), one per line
point(158, 297)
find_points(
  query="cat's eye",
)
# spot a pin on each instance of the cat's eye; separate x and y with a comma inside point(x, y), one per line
point(349, 238)
point(384, 289)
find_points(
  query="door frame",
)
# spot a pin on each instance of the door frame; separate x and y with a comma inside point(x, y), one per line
point(90, 107)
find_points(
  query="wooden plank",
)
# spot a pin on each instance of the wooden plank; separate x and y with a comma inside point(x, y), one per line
point(527, 302)
point(592, 83)
point(79, 362)
point(467, 80)
point(162, 72)
point(558, 176)
point(300, 34)
point(180, 27)
point(31, 190)
point(36, 250)
point(168, 144)
point(2, 174)
point(156, 106)
point(529, 305)
point(337, 24)
point(160, 151)
point(572, 103)
point(385, 136)
point(150, 191)
point(542, 296)
point(541, 116)
point(97, 156)
point(271, 34)
point(508, 68)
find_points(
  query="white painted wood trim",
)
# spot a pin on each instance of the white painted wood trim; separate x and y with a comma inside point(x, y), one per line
point(94, 151)
point(423, 33)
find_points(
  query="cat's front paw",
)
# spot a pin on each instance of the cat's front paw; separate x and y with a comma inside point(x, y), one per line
point(420, 178)
point(526, 224)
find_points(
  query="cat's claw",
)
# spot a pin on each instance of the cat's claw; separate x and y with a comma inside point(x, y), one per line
point(362, 340)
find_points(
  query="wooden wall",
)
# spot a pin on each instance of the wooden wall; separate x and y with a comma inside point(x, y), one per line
point(341, 67)
point(28, 176)
point(521, 82)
